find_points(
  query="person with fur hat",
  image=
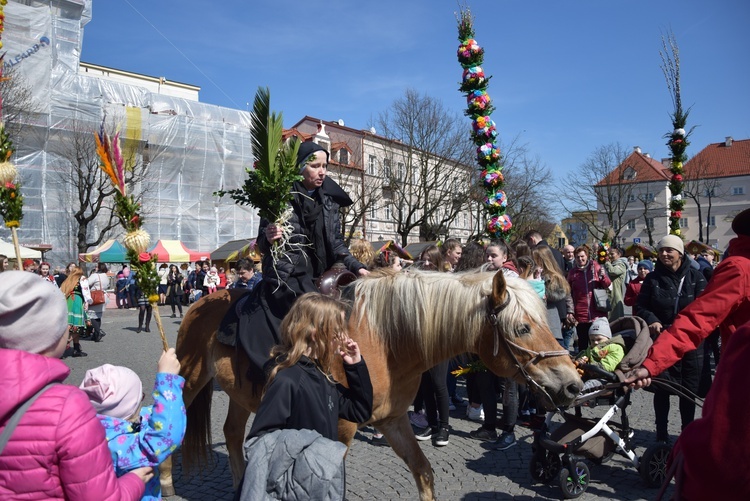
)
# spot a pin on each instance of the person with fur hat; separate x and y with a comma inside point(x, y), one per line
point(672, 286)
point(316, 245)
point(139, 436)
point(57, 449)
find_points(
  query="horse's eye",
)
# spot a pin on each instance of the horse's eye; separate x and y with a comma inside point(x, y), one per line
point(523, 330)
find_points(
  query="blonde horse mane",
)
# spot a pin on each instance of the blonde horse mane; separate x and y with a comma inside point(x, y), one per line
point(423, 312)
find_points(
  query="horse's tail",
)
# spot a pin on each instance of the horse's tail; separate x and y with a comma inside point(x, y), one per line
point(198, 432)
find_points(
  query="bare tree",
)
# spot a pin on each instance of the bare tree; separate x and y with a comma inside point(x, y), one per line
point(703, 190)
point(365, 192)
point(426, 171)
point(600, 192)
point(649, 209)
point(90, 192)
point(17, 102)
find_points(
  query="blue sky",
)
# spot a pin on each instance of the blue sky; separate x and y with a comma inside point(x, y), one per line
point(568, 77)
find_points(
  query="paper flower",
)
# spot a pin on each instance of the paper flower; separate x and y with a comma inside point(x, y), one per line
point(487, 153)
point(492, 178)
point(474, 75)
point(496, 200)
point(679, 132)
point(478, 100)
point(677, 178)
point(499, 224)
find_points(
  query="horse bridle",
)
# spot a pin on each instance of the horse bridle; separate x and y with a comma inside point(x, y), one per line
point(512, 347)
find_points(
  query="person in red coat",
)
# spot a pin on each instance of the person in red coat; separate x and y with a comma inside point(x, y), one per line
point(725, 303)
point(586, 276)
point(633, 288)
point(711, 458)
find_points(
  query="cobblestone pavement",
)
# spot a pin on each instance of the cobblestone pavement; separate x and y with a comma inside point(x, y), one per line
point(464, 470)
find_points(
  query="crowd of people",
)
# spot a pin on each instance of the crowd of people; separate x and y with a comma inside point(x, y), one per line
point(684, 300)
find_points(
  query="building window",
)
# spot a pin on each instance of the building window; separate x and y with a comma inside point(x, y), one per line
point(649, 197)
point(631, 224)
point(631, 198)
point(466, 220)
point(629, 174)
point(711, 221)
point(683, 222)
point(400, 171)
point(373, 212)
point(650, 223)
point(709, 192)
point(738, 190)
point(344, 156)
point(388, 212)
point(372, 164)
point(387, 169)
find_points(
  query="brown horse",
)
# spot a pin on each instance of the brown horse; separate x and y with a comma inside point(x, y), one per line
point(404, 323)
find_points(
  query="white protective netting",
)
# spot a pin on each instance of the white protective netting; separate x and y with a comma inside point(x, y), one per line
point(192, 149)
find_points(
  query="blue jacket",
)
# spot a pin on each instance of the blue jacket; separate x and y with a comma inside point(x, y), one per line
point(153, 439)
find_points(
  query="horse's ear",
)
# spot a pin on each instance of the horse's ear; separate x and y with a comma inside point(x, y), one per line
point(498, 289)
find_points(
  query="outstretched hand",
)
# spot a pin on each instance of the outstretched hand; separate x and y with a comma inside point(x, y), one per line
point(638, 378)
point(349, 351)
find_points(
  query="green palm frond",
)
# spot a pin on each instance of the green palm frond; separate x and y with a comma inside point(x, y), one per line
point(269, 183)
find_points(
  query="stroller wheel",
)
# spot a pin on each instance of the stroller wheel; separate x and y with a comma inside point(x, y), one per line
point(544, 466)
point(653, 466)
point(574, 484)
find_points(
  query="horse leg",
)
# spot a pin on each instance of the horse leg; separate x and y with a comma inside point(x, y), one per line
point(401, 438)
point(234, 434)
point(165, 478)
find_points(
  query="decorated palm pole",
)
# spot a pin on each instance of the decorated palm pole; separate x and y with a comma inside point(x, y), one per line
point(484, 132)
point(127, 209)
point(11, 200)
point(677, 140)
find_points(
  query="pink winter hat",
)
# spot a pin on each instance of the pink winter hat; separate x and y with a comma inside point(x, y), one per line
point(113, 390)
point(33, 313)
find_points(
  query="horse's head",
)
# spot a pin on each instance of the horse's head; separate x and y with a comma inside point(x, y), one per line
point(518, 343)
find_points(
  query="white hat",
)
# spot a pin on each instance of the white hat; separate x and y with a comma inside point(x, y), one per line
point(673, 242)
point(600, 327)
point(33, 313)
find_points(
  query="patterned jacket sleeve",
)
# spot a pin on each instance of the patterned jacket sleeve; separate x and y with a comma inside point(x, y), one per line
point(162, 427)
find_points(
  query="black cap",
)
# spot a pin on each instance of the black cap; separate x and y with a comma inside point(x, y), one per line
point(305, 150)
point(741, 223)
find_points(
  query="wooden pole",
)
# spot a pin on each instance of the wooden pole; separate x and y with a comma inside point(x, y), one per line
point(159, 326)
point(14, 232)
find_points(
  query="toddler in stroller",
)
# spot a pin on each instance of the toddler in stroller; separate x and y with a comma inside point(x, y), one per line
point(558, 453)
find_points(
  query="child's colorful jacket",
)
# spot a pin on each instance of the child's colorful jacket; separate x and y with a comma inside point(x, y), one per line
point(155, 438)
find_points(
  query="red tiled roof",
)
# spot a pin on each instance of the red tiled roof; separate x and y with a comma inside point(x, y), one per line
point(295, 132)
point(646, 169)
point(720, 160)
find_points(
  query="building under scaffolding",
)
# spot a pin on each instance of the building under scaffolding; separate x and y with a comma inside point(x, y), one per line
point(191, 149)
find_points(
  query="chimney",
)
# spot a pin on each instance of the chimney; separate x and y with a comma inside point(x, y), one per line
point(637, 149)
point(728, 141)
point(647, 155)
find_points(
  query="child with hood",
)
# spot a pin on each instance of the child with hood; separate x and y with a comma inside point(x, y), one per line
point(604, 350)
point(55, 446)
point(212, 280)
point(139, 436)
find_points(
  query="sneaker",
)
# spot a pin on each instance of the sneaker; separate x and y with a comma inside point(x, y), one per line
point(506, 441)
point(475, 413)
point(101, 337)
point(458, 401)
point(484, 434)
point(418, 419)
point(78, 353)
point(451, 407)
point(379, 440)
point(426, 434)
point(441, 437)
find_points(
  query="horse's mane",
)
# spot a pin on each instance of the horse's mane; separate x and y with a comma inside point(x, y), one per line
point(417, 311)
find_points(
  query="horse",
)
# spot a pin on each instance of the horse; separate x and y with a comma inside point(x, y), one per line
point(404, 323)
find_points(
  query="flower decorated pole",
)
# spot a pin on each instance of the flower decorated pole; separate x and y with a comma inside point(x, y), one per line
point(678, 138)
point(484, 132)
point(136, 239)
point(11, 201)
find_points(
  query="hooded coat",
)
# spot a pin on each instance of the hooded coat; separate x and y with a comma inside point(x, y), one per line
point(617, 272)
point(58, 450)
point(582, 282)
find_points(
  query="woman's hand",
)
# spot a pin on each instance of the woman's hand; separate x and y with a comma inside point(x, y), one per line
point(638, 378)
point(350, 352)
point(655, 328)
point(145, 473)
point(273, 232)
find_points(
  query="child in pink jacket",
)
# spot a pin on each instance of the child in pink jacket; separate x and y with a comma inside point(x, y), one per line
point(57, 450)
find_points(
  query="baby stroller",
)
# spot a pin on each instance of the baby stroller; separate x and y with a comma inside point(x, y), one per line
point(558, 454)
